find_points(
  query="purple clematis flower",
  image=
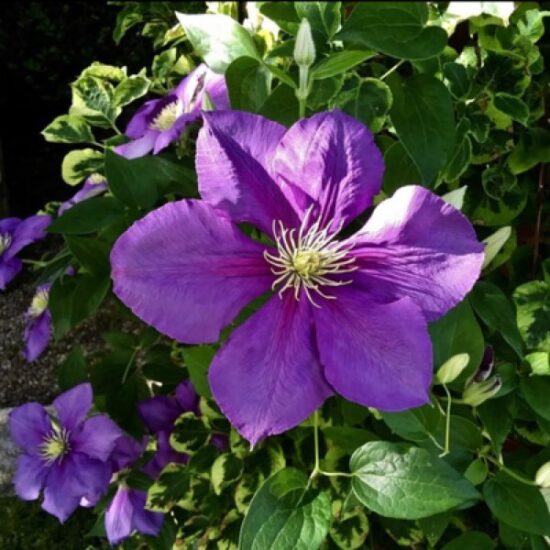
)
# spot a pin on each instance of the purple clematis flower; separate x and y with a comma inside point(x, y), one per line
point(38, 330)
point(349, 314)
point(94, 185)
point(67, 457)
point(160, 122)
point(15, 234)
point(126, 513)
point(159, 414)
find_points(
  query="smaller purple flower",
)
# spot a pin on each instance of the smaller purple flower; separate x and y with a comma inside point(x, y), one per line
point(95, 185)
point(15, 234)
point(159, 414)
point(38, 330)
point(65, 457)
point(127, 514)
point(160, 122)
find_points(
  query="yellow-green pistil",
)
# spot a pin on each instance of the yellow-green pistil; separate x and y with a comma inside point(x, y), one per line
point(5, 241)
point(169, 114)
point(39, 303)
point(56, 446)
point(307, 256)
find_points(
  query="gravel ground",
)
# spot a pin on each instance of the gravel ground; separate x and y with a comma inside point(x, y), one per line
point(37, 381)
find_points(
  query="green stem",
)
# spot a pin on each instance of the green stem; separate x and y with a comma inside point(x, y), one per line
point(390, 71)
point(511, 473)
point(446, 450)
point(336, 474)
point(130, 361)
point(316, 466)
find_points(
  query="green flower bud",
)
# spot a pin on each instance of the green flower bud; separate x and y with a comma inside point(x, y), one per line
point(542, 478)
point(452, 368)
point(304, 49)
point(478, 392)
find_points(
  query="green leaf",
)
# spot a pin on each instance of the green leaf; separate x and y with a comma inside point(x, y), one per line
point(68, 129)
point(533, 314)
point(517, 504)
point(457, 76)
point(281, 105)
point(493, 212)
point(130, 89)
point(127, 17)
point(88, 216)
point(285, 515)
point(539, 361)
point(197, 361)
point(80, 163)
point(494, 243)
point(105, 72)
point(400, 169)
point(458, 332)
point(226, 470)
point(415, 424)
point(348, 438)
point(92, 253)
point(171, 486)
point(536, 390)
point(512, 106)
point(497, 421)
point(190, 433)
point(433, 527)
point(423, 116)
point(394, 28)
point(140, 182)
point(218, 39)
point(248, 82)
point(369, 102)
point(93, 100)
point(497, 312)
point(324, 17)
point(459, 159)
point(74, 370)
point(477, 472)
point(472, 540)
point(400, 481)
point(339, 62)
point(533, 147)
point(349, 529)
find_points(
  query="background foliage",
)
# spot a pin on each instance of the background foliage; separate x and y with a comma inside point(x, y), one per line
point(459, 106)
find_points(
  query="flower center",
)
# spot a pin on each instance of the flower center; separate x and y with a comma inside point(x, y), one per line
point(39, 303)
point(96, 178)
point(5, 241)
point(169, 114)
point(307, 257)
point(56, 446)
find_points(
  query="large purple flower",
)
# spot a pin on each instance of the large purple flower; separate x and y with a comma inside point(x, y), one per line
point(160, 122)
point(94, 185)
point(38, 329)
point(159, 414)
point(349, 315)
point(67, 457)
point(15, 234)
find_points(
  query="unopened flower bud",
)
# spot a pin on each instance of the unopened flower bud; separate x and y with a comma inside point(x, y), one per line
point(452, 368)
point(304, 49)
point(477, 393)
point(542, 478)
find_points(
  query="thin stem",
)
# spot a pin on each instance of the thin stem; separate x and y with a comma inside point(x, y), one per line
point(97, 144)
point(336, 474)
point(511, 473)
point(390, 71)
point(446, 450)
point(130, 361)
point(316, 466)
point(302, 104)
point(538, 222)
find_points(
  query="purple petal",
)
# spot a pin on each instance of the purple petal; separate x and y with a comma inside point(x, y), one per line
point(118, 517)
point(173, 133)
point(8, 270)
point(234, 152)
point(267, 377)
point(417, 245)
point(29, 478)
point(331, 161)
point(125, 452)
point(160, 412)
point(191, 89)
point(28, 231)
point(139, 123)
point(73, 405)
point(37, 336)
point(60, 498)
point(89, 477)
point(165, 455)
point(145, 521)
point(378, 355)
point(187, 397)
point(29, 427)
point(187, 271)
point(9, 225)
point(138, 147)
point(96, 437)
